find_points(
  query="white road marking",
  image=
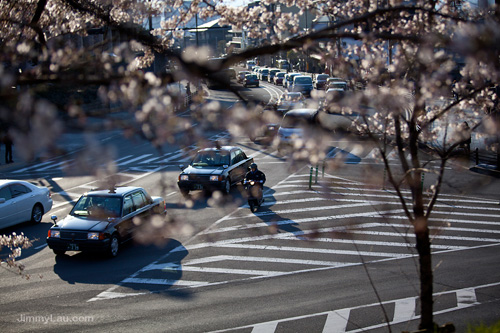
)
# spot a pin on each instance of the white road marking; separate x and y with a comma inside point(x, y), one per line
point(311, 250)
point(404, 310)
point(168, 282)
point(336, 321)
point(466, 297)
point(134, 159)
point(40, 246)
point(55, 165)
point(269, 327)
point(261, 259)
point(32, 167)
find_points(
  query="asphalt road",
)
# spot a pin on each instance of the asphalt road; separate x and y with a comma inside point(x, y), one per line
point(330, 253)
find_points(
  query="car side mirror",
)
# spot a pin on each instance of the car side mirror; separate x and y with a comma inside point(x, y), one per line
point(181, 166)
point(54, 219)
point(2, 200)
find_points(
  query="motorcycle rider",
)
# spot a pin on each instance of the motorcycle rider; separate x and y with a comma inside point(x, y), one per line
point(258, 176)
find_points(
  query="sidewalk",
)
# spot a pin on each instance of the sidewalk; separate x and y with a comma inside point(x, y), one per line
point(71, 141)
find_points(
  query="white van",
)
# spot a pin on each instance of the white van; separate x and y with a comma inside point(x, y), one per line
point(293, 127)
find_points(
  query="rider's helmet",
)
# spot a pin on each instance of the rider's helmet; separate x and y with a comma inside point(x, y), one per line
point(253, 166)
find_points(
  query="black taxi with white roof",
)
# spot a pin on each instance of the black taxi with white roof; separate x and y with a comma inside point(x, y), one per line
point(101, 220)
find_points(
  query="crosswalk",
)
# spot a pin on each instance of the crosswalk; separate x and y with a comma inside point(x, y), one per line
point(339, 223)
point(145, 162)
point(339, 321)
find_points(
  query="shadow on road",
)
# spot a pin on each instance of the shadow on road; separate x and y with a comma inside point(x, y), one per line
point(133, 261)
point(276, 223)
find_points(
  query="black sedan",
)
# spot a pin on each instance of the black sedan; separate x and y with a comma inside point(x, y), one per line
point(103, 219)
point(214, 169)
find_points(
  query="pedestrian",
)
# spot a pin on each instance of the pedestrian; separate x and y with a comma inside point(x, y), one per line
point(7, 140)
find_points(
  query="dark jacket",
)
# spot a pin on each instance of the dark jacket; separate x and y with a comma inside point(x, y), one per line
point(256, 175)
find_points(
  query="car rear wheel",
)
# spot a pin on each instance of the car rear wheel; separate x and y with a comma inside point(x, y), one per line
point(114, 246)
point(37, 213)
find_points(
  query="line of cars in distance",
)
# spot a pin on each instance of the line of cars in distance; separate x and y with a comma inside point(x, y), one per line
point(292, 81)
point(294, 110)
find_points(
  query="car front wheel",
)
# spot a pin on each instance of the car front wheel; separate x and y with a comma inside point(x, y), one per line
point(114, 246)
point(227, 186)
point(37, 213)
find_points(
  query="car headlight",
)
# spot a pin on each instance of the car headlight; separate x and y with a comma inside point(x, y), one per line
point(54, 234)
point(95, 235)
point(215, 178)
point(184, 177)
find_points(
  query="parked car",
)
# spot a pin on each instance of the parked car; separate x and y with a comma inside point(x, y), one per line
point(303, 84)
point(214, 169)
point(21, 201)
point(290, 100)
point(241, 75)
point(278, 78)
point(251, 80)
point(272, 73)
point(101, 220)
point(319, 81)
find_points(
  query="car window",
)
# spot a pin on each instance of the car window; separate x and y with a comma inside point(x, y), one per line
point(295, 121)
point(128, 205)
point(242, 155)
point(94, 206)
point(212, 158)
point(5, 193)
point(18, 189)
point(139, 199)
point(234, 158)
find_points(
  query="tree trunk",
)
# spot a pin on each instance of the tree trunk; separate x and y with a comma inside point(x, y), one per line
point(426, 278)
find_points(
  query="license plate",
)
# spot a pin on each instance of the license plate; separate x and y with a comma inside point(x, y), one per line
point(73, 247)
point(198, 187)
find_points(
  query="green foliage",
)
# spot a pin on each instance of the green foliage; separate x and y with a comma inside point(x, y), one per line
point(482, 328)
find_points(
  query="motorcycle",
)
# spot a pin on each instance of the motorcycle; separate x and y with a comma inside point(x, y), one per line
point(254, 194)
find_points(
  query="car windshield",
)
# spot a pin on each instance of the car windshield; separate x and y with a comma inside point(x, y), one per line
point(211, 158)
point(293, 97)
point(295, 121)
point(97, 207)
point(341, 85)
point(303, 80)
